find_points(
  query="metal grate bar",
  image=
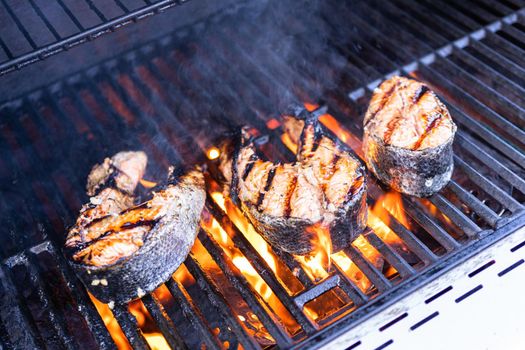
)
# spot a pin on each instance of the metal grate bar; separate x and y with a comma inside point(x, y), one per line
point(497, 61)
point(426, 17)
point(329, 283)
point(44, 19)
point(495, 192)
point(56, 321)
point(477, 13)
point(479, 90)
point(451, 15)
point(262, 268)
point(85, 306)
point(348, 286)
point(245, 290)
point(475, 204)
point(404, 269)
point(95, 31)
point(70, 15)
point(436, 231)
point(505, 47)
point(475, 149)
point(487, 135)
point(503, 85)
point(446, 87)
point(415, 245)
point(219, 302)
point(192, 314)
point(129, 326)
point(420, 30)
point(376, 277)
point(156, 310)
point(457, 216)
point(19, 24)
point(18, 314)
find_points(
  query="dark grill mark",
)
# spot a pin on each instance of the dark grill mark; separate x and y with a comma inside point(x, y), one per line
point(291, 188)
point(384, 101)
point(269, 180)
point(356, 186)
point(331, 167)
point(249, 166)
point(391, 127)
point(126, 226)
point(420, 93)
point(434, 123)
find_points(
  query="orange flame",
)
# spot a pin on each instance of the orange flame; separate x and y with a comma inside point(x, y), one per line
point(388, 204)
point(262, 247)
point(147, 184)
point(214, 229)
point(155, 340)
point(434, 211)
point(111, 323)
point(318, 262)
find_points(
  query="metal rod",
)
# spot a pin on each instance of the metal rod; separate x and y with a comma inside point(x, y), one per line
point(401, 266)
point(243, 287)
point(128, 324)
point(219, 302)
point(474, 203)
point(156, 310)
point(191, 312)
point(376, 277)
point(487, 186)
point(457, 216)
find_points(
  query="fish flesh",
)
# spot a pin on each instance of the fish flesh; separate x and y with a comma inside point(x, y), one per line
point(324, 187)
point(121, 250)
point(408, 136)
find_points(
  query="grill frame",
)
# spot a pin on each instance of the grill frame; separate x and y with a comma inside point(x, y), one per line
point(503, 226)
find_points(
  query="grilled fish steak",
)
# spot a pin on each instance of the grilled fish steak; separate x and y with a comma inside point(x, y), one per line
point(326, 187)
point(408, 136)
point(120, 250)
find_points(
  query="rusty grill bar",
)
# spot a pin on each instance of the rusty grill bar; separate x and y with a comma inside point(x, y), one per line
point(160, 96)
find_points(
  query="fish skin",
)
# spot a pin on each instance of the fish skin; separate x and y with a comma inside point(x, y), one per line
point(165, 245)
point(288, 232)
point(424, 165)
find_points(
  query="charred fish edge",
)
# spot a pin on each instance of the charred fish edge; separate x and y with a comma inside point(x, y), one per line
point(165, 248)
point(419, 173)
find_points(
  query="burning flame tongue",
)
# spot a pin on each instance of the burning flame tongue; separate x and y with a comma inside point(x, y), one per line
point(318, 262)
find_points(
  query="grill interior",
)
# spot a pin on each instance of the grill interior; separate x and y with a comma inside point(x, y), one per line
point(175, 96)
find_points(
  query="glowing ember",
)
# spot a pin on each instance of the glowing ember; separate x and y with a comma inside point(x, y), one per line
point(310, 107)
point(147, 184)
point(272, 124)
point(213, 153)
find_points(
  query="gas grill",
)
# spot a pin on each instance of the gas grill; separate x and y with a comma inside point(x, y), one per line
point(81, 81)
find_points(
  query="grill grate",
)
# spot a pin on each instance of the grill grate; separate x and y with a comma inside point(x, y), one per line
point(167, 96)
point(36, 29)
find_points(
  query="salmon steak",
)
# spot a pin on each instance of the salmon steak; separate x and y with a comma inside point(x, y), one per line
point(408, 136)
point(121, 250)
point(324, 187)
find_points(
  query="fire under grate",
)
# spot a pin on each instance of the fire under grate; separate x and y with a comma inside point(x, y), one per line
point(251, 295)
